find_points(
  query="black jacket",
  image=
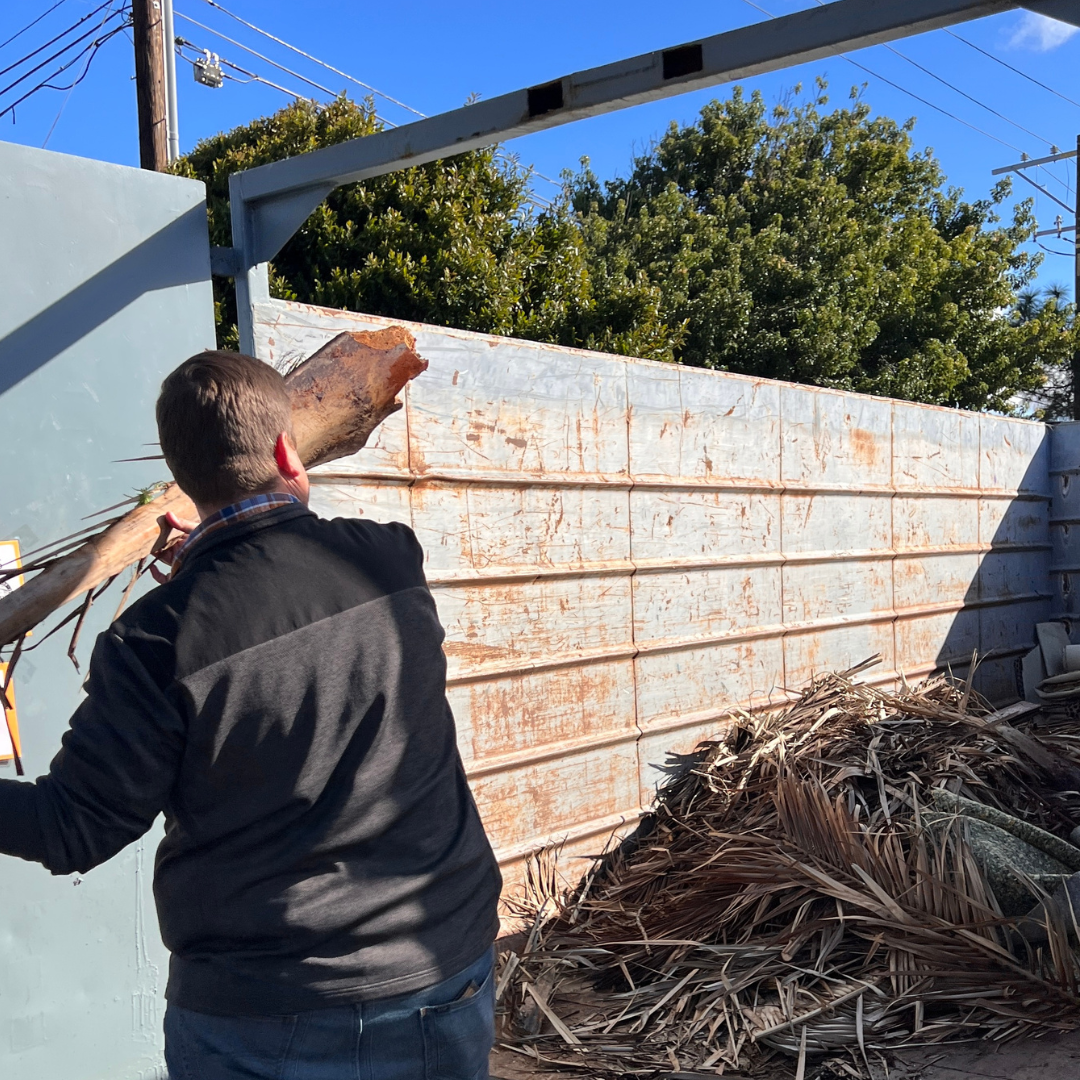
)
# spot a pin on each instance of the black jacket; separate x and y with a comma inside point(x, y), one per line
point(283, 700)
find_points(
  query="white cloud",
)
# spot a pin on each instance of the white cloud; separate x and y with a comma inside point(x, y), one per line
point(1040, 33)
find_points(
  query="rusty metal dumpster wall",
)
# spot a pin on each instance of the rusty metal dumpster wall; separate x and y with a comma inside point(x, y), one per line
point(622, 551)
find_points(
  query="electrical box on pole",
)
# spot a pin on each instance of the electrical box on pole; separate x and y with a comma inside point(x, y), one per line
point(207, 70)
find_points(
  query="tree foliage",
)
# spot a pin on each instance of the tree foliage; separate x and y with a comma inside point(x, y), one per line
point(821, 247)
point(803, 243)
point(454, 243)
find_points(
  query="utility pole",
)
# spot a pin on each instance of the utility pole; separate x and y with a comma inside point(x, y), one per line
point(169, 32)
point(1059, 231)
point(150, 83)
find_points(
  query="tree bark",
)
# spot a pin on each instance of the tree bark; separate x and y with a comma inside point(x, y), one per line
point(150, 84)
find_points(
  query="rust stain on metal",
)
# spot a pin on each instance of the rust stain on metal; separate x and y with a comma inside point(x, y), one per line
point(864, 446)
point(616, 567)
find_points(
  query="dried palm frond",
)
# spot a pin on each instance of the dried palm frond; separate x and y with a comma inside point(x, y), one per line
point(795, 891)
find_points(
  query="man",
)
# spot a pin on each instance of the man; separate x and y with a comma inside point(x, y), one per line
point(325, 886)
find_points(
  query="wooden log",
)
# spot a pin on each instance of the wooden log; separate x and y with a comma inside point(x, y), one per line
point(340, 395)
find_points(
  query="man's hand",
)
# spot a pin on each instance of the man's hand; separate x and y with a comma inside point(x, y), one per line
point(174, 531)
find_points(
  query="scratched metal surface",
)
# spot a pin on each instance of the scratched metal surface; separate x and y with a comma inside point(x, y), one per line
point(622, 551)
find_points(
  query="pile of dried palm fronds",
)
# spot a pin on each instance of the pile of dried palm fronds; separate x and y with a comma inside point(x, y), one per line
point(788, 896)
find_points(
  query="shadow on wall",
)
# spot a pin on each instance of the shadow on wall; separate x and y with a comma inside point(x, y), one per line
point(1010, 590)
point(1064, 473)
point(164, 260)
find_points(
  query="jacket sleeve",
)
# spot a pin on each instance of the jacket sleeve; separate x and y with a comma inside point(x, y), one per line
point(117, 764)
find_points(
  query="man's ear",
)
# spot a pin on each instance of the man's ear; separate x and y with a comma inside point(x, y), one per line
point(286, 458)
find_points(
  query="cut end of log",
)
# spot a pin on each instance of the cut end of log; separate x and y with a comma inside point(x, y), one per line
point(388, 338)
point(341, 393)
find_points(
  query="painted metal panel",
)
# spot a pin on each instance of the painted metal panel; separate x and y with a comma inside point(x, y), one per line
point(105, 288)
point(476, 530)
point(691, 426)
point(948, 578)
point(928, 523)
point(509, 627)
point(1065, 519)
point(934, 448)
point(1014, 456)
point(687, 607)
point(825, 524)
point(839, 647)
point(687, 525)
point(829, 439)
point(624, 551)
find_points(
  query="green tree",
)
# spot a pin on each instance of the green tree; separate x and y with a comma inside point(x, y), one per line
point(803, 243)
point(454, 243)
point(1050, 307)
point(820, 247)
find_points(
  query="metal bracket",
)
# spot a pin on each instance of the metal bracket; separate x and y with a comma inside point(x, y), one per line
point(225, 262)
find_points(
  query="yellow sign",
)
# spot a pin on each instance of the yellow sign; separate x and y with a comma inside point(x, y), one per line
point(9, 730)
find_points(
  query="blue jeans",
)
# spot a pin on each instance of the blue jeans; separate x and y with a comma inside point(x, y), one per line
point(443, 1032)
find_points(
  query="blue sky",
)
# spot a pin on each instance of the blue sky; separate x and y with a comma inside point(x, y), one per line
point(432, 56)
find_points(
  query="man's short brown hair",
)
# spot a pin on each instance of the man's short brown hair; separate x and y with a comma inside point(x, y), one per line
point(219, 415)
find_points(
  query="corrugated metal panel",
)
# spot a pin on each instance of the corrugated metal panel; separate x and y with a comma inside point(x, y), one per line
point(623, 550)
point(1065, 519)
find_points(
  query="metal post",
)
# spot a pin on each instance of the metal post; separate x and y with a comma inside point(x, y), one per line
point(150, 84)
point(252, 279)
point(171, 111)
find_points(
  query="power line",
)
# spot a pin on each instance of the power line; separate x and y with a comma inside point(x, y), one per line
point(1016, 70)
point(254, 77)
point(1053, 251)
point(32, 23)
point(962, 93)
point(57, 54)
point(47, 84)
point(93, 45)
point(71, 89)
point(904, 90)
point(257, 55)
point(53, 41)
point(977, 101)
point(313, 59)
point(1048, 194)
point(329, 67)
point(251, 75)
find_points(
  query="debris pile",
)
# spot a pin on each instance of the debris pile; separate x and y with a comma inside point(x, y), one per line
point(864, 870)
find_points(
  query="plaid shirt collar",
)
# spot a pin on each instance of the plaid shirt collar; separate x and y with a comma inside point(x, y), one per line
point(230, 515)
